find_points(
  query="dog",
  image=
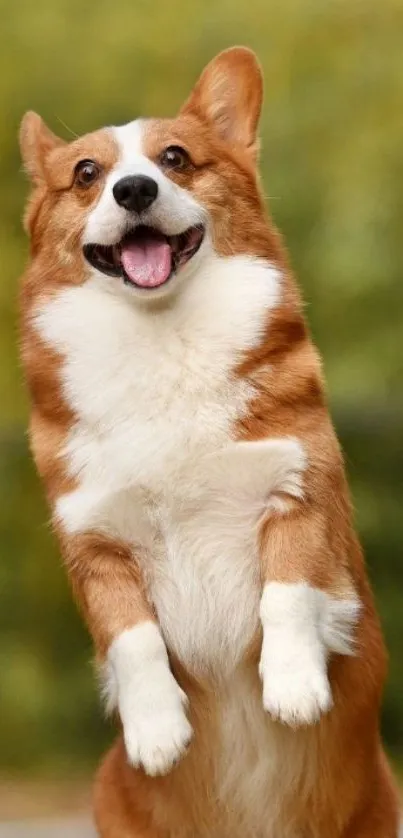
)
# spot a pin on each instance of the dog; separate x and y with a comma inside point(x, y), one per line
point(196, 484)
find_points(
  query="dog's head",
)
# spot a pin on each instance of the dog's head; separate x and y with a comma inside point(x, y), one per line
point(139, 205)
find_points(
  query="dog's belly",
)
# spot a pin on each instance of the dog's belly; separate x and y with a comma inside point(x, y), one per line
point(258, 763)
point(198, 557)
point(242, 771)
point(203, 579)
point(194, 531)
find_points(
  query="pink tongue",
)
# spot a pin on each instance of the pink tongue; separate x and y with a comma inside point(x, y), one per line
point(147, 262)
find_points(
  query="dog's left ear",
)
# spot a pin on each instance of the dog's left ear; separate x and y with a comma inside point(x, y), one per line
point(36, 142)
point(229, 95)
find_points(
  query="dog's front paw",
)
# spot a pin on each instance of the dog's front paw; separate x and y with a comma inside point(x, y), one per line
point(155, 727)
point(156, 734)
point(150, 701)
point(293, 664)
point(295, 692)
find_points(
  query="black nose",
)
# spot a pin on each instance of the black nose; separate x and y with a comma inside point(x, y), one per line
point(135, 192)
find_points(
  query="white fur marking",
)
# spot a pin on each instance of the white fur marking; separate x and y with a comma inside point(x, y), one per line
point(151, 703)
point(211, 540)
point(152, 450)
point(339, 619)
point(301, 625)
point(173, 211)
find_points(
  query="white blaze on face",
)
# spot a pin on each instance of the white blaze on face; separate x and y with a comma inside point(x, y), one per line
point(172, 212)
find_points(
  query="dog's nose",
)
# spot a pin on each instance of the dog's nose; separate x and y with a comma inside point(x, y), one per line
point(135, 192)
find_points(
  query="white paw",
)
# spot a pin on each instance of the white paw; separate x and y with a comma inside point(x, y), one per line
point(295, 692)
point(156, 733)
point(151, 704)
point(293, 664)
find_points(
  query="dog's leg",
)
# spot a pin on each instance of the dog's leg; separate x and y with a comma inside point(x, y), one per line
point(122, 799)
point(301, 625)
point(137, 676)
point(308, 606)
point(379, 821)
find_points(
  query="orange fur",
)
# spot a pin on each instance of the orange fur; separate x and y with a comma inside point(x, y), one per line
point(340, 784)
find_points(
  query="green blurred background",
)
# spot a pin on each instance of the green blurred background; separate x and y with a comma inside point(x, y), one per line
point(332, 160)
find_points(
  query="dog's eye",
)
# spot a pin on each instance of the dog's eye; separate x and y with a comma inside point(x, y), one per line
point(175, 157)
point(86, 172)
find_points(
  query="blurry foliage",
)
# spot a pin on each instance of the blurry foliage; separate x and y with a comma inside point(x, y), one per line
point(333, 167)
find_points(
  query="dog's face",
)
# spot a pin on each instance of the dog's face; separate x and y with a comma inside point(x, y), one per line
point(139, 205)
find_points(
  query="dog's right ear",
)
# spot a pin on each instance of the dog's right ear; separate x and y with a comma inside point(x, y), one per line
point(36, 141)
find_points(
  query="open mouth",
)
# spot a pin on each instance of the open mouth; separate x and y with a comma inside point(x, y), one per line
point(145, 257)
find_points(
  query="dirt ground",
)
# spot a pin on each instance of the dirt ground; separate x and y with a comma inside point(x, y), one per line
point(44, 810)
point(60, 828)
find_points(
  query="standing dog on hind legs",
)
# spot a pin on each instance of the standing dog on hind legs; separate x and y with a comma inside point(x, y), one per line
point(196, 484)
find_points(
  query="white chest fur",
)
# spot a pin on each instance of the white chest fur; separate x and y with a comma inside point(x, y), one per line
point(155, 400)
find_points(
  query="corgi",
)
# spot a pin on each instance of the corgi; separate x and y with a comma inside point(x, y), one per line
point(196, 484)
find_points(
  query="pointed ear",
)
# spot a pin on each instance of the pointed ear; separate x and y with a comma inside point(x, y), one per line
point(36, 141)
point(229, 95)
